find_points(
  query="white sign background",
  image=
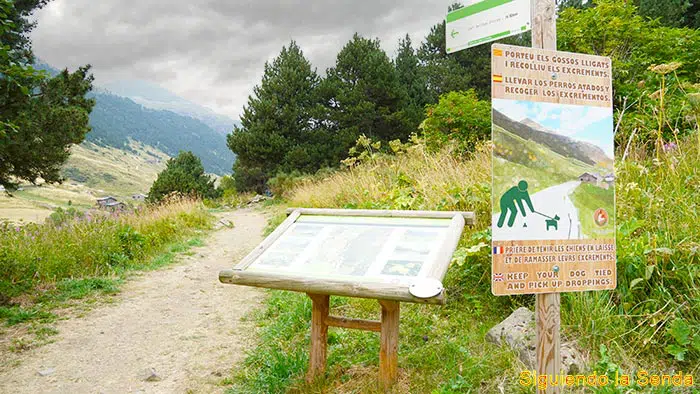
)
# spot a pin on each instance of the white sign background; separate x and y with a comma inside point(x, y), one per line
point(485, 21)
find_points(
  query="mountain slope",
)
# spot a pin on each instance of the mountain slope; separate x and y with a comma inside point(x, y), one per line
point(563, 145)
point(155, 97)
point(116, 120)
point(111, 170)
point(530, 160)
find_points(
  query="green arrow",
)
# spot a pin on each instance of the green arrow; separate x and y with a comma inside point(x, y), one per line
point(454, 33)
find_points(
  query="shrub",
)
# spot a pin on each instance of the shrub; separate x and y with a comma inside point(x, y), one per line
point(459, 118)
point(284, 183)
point(60, 215)
point(654, 67)
point(227, 184)
point(183, 175)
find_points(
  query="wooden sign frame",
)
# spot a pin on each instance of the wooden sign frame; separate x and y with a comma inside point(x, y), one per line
point(320, 287)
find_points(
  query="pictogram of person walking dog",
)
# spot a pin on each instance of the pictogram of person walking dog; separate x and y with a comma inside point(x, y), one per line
point(513, 199)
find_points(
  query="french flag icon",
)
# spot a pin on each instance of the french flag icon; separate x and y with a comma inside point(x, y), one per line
point(498, 250)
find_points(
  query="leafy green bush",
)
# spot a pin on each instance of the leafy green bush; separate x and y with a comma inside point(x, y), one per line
point(459, 118)
point(227, 184)
point(284, 183)
point(655, 68)
point(183, 175)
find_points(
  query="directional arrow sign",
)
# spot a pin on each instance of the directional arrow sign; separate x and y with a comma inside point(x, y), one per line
point(485, 21)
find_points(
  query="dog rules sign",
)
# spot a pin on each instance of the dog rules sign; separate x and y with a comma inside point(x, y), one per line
point(553, 178)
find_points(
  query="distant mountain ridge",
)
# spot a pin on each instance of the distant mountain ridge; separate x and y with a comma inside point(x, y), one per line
point(534, 125)
point(583, 151)
point(156, 97)
point(116, 121)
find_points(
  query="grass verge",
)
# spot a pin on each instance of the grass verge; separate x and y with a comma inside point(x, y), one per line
point(45, 267)
point(28, 322)
point(442, 349)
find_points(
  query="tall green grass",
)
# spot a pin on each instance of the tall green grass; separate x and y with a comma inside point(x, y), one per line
point(39, 256)
point(651, 321)
point(442, 349)
point(654, 314)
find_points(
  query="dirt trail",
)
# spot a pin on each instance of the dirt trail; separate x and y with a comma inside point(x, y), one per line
point(179, 321)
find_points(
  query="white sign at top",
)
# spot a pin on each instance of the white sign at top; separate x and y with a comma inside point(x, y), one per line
point(485, 21)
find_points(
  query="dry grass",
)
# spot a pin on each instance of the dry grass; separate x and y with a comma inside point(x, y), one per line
point(115, 171)
point(91, 171)
point(414, 179)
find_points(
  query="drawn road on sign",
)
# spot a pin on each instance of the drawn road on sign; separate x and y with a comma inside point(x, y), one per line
point(551, 201)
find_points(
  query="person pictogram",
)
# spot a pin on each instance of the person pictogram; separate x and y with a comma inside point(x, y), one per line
point(514, 195)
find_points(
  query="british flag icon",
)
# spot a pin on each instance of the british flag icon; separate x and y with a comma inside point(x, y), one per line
point(498, 277)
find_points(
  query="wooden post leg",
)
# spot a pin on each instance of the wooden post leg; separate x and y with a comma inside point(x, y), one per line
point(544, 35)
point(319, 336)
point(389, 348)
point(547, 311)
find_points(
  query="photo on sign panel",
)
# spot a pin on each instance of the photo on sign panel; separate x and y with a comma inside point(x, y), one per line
point(553, 171)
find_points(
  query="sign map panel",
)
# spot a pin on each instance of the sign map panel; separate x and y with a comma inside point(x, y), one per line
point(553, 177)
point(381, 247)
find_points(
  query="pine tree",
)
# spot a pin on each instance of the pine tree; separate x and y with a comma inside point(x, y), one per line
point(185, 175)
point(669, 12)
point(40, 117)
point(460, 71)
point(367, 94)
point(413, 82)
point(692, 16)
point(277, 125)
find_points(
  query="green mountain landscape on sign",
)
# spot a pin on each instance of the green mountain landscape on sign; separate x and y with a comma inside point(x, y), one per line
point(545, 159)
point(527, 150)
point(568, 147)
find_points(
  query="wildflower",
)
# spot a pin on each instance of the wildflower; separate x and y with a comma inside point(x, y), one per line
point(670, 147)
point(18, 228)
point(664, 69)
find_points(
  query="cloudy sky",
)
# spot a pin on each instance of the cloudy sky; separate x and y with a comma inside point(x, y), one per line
point(212, 52)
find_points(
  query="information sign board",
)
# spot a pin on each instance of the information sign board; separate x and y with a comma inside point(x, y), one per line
point(387, 255)
point(553, 178)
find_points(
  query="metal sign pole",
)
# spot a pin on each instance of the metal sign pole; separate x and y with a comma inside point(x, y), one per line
point(547, 308)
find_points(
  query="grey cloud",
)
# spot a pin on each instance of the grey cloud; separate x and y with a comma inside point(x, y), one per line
point(212, 52)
